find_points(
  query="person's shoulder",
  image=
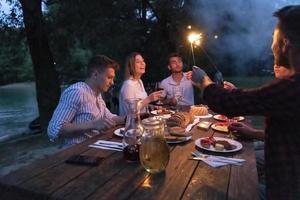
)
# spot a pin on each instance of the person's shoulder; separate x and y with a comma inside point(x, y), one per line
point(166, 80)
point(75, 89)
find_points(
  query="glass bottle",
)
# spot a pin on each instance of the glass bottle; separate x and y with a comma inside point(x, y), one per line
point(154, 151)
point(133, 131)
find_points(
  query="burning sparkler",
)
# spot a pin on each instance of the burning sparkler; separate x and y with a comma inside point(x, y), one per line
point(194, 39)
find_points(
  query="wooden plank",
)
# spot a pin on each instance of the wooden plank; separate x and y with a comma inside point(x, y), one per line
point(172, 183)
point(15, 193)
point(42, 165)
point(208, 183)
point(123, 184)
point(58, 176)
point(87, 183)
point(244, 179)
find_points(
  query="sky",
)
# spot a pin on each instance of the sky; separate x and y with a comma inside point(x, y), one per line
point(4, 6)
point(248, 34)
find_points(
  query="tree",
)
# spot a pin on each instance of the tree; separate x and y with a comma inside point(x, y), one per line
point(46, 78)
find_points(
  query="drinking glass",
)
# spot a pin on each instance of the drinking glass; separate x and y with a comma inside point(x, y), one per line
point(177, 93)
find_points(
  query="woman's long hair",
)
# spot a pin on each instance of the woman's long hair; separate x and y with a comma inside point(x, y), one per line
point(130, 65)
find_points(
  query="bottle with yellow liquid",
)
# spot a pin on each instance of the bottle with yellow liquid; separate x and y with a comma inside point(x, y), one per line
point(154, 151)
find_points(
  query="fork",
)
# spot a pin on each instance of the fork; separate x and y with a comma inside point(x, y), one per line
point(217, 158)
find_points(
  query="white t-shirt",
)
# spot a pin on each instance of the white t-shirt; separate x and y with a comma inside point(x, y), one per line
point(186, 87)
point(131, 89)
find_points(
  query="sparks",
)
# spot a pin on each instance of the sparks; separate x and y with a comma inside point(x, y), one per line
point(194, 38)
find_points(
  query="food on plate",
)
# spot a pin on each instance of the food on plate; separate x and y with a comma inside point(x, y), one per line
point(239, 118)
point(221, 126)
point(177, 131)
point(198, 110)
point(221, 117)
point(206, 142)
point(219, 147)
point(181, 119)
point(163, 111)
point(226, 144)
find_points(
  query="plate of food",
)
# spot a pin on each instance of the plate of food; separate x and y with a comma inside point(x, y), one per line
point(220, 126)
point(176, 140)
point(119, 132)
point(162, 112)
point(218, 144)
point(177, 135)
point(221, 117)
point(224, 118)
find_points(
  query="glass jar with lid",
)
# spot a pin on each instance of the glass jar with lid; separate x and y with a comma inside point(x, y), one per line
point(154, 151)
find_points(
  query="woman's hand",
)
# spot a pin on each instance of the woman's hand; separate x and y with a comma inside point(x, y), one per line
point(154, 96)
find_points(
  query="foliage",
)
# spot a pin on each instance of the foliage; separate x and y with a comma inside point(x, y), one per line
point(78, 29)
point(15, 59)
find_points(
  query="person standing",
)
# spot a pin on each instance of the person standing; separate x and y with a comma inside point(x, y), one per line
point(278, 101)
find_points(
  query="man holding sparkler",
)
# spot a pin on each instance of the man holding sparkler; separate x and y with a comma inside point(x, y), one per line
point(278, 101)
point(178, 88)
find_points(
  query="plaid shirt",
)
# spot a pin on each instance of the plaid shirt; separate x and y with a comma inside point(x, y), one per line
point(279, 102)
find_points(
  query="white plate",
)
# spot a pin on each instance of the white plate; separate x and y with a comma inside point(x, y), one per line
point(165, 116)
point(238, 145)
point(224, 118)
point(220, 127)
point(154, 112)
point(179, 141)
point(118, 132)
point(203, 116)
point(221, 117)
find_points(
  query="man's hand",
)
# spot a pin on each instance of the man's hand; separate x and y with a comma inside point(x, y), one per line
point(188, 75)
point(103, 124)
point(244, 131)
point(198, 75)
point(200, 78)
point(228, 85)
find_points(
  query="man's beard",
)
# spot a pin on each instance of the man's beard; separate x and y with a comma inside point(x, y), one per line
point(282, 59)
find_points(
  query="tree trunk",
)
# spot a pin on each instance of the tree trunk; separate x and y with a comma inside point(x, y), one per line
point(46, 77)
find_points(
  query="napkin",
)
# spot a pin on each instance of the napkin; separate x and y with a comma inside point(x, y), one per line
point(214, 163)
point(190, 126)
point(108, 145)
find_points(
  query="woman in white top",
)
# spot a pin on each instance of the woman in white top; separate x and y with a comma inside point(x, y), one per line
point(133, 87)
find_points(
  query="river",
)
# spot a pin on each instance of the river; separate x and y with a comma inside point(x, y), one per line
point(18, 107)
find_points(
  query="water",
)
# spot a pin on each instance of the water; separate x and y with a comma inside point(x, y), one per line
point(18, 107)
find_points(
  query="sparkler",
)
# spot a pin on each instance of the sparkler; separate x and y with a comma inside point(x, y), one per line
point(194, 39)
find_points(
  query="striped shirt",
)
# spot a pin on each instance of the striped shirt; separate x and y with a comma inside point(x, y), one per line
point(77, 104)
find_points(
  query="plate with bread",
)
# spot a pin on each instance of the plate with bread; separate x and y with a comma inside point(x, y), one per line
point(218, 144)
point(177, 135)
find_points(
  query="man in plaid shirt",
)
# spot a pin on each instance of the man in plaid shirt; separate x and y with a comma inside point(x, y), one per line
point(278, 101)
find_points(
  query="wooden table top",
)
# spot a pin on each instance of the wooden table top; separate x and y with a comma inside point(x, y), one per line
point(114, 178)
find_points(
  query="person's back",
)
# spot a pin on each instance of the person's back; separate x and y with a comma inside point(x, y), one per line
point(278, 101)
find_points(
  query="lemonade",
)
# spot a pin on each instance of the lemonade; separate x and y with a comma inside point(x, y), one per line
point(154, 153)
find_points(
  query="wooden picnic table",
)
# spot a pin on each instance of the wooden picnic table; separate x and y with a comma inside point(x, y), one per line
point(114, 178)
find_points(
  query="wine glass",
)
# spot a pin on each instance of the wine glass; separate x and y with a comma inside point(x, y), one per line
point(177, 93)
point(231, 135)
